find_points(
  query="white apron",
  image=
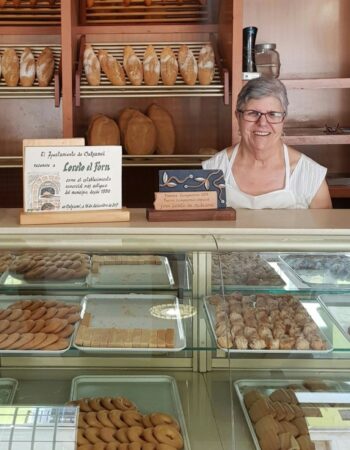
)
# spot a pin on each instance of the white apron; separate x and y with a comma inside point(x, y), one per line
point(280, 199)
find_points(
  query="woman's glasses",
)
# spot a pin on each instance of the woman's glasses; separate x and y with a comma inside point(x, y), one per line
point(250, 115)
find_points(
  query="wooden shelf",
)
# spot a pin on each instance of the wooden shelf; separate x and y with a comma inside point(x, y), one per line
point(115, 12)
point(35, 91)
point(316, 83)
point(25, 15)
point(314, 136)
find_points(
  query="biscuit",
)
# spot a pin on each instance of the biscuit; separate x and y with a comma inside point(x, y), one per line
point(102, 417)
point(37, 340)
point(66, 332)
point(50, 313)
point(49, 340)
point(5, 313)
point(38, 313)
point(108, 434)
point(23, 340)
point(15, 314)
point(4, 324)
point(10, 340)
point(92, 435)
point(36, 305)
point(92, 420)
point(54, 325)
point(38, 325)
point(60, 344)
point(3, 336)
point(13, 327)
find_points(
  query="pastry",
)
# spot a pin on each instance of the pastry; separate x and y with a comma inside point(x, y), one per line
point(206, 65)
point(92, 66)
point(111, 68)
point(10, 67)
point(45, 67)
point(151, 66)
point(187, 65)
point(168, 66)
point(132, 66)
point(166, 137)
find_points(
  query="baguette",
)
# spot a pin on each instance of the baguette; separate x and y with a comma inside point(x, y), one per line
point(92, 66)
point(151, 66)
point(111, 68)
point(45, 67)
point(168, 66)
point(188, 65)
point(132, 66)
point(165, 129)
point(206, 64)
point(27, 68)
point(10, 67)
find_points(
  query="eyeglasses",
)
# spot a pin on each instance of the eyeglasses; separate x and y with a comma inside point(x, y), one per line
point(250, 115)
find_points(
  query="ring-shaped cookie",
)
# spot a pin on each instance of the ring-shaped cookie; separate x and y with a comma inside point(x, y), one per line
point(102, 417)
point(166, 434)
point(135, 434)
point(113, 446)
point(108, 435)
point(92, 420)
point(92, 435)
point(165, 447)
point(122, 436)
point(132, 418)
point(81, 421)
point(149, 436)
point(115, 418)
point(148, 446)
point(158, 418)
point(84, 405)
point(147, 421)
point(107, 403)
point(123, 403)
point(95, 404)
point(81, 439)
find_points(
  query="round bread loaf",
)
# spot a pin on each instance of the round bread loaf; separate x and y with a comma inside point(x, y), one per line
point(140, 135)
point(123, 120)
point(164, 124)
point(103, 131)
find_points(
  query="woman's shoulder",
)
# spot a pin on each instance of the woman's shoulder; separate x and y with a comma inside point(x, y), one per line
point(219, 160)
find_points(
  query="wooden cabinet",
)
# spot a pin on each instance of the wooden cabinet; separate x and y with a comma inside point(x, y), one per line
point(311, 39)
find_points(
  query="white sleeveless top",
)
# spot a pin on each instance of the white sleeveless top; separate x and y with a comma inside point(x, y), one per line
point(298, 192)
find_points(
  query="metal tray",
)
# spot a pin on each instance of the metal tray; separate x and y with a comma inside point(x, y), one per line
point(133, 276)
point(7, 300)
point(312, 306)
point(149, 392)
point(133, 311)
point(339, 390)
point(3, 276)
point(338, 307)
point(8, 387)
point(321, 269)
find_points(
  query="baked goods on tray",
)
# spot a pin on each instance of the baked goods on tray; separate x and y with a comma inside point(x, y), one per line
point(5, 261)
point(50, 266)
point(116, 423)
point(242, 268)
point(264, 322)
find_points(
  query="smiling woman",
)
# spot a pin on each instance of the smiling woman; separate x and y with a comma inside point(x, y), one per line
point(261, 172)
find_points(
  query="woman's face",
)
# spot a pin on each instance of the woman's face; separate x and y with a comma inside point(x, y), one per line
point(261, 135)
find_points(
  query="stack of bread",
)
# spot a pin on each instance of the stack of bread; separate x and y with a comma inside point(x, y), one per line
point(140, 134)
point(24, 70)
point(278, 420)
point(150, 69)
point(38, 325)
point(115, 423)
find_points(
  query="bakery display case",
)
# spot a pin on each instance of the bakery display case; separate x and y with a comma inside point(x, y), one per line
point(183, 320)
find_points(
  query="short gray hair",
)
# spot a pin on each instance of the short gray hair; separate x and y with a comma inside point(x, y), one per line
point(263, 87)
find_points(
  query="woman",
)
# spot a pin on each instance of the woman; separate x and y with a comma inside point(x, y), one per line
point(260, 171)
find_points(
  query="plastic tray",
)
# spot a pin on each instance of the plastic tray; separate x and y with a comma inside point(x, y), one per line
point(132, 311)
point(8, 387)
point(312, 306)
point(338, 307)
point(321, 269)
point(7, 300)
point(150, 393)
point(340, 390)
point(133, 276)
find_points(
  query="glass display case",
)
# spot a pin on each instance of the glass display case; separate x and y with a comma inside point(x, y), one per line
point(187, 322)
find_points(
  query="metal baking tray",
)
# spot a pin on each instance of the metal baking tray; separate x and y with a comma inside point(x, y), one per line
point(3, 276)
point(266, 387)
point(320, 269)
point(133, 311)
point(133, 276)
point(7, 300)
point(8, 387)
point(240, 279)
point(338, 307)
point(150, 393)
point(317, 312)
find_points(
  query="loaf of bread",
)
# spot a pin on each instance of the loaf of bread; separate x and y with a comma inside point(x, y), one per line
point(45, 67)
point(27, 68)
point(168, 66)
point(111, 68)
point(151, 66)
point(140, 135)
point(164, 124)
point(123, 120)
point(206, 64)
point(92, 66)
point(103, 131)
point(10, 67)
point(188, 65)
point(133, 66)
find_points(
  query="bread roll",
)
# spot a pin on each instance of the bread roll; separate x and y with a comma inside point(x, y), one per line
point(92, 66)
point(206, 65)
point(168, 66)
point(27, 68)
point(151, 66)
point(164, 124)
point(45, 67)
point(10, 67)
point(123, 120)
point(140, 135)
point(111, 68)
point(132, 66)
point(188, 65)
point(103, 131)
